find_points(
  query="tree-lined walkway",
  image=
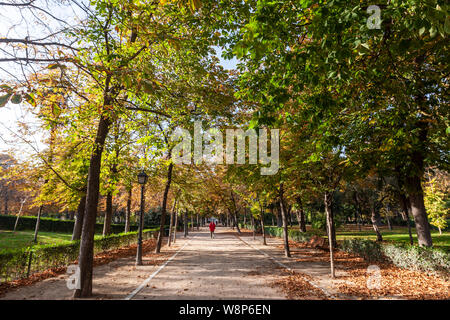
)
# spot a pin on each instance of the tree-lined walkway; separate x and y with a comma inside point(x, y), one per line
point(222, 268)
point(233, 267)
point(219, 268)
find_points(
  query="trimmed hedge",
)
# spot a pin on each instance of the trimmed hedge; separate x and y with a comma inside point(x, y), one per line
point(431, 260)
point(367, 249)
point(294, 235)
point(14, 263)
point(245, 226)
point(52, 225)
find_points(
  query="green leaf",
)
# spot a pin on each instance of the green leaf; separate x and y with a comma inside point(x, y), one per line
point(4, 99)
point(29, 98)
point(5, 87)
point(195, 4)
point(253, 123)
point(147, 87)
point(433, 31)
point(16, 99)
point(421, 31)
point(447, 25)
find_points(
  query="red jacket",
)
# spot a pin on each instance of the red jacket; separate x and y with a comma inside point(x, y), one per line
point(212, 226)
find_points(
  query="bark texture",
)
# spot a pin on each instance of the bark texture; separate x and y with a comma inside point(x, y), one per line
point(163, 209)
point(86, 256)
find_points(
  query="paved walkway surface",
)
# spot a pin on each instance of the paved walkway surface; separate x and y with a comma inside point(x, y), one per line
point(226, 267)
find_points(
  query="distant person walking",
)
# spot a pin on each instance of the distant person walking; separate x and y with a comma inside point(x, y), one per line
point(212, 227)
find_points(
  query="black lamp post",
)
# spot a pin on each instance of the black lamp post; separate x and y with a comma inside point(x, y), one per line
point(142, 179)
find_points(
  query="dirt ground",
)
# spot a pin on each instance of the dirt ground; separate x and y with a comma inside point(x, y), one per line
point(226, 267)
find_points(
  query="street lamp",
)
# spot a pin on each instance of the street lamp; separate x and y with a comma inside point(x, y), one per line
point(142, 179)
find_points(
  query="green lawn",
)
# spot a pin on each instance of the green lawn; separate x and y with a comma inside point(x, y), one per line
point(20, 239)
point(397, 235)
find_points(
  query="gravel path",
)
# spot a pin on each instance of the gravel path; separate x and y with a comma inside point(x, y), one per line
point(219, 268)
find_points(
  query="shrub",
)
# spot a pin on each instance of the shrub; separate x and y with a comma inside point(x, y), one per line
point(367, 249)
point(319, 222)
point(294, 235)
point(52, 225)
point(430, 260)
point(14, 263)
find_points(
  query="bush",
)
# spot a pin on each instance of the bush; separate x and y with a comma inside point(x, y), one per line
point(52, 225)
point(14, 263)
point(367, 249)
point(294, 235)
point(430, 260)
point(319, 222)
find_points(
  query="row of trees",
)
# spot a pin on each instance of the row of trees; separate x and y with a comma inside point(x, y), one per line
point(359, 109)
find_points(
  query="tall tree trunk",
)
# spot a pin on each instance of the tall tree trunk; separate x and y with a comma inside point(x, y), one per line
point(404, 204)
point(176, 226)
point(261, 219)
point(388, 220)
point(185, 224)
point(328, 201)
point(128, 213)
point(163, 209)
point(405, 215)
point(235, 218)
point(376, 221)
point(419, 212)
point(108, 215)
point(330, 198)
point(419, 150)
point(287, 252)
point(253, 226)
point(198, 225)
point(38, 221)
point(289, 214)
point(6, 199)
point(279, 216)
point(301, 215)
point(20, 212)
point(78, 225)
point(172, 217)
point(357, 211)
point(86, 256)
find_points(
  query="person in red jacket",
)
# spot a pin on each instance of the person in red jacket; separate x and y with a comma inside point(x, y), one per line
point(212, 227)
